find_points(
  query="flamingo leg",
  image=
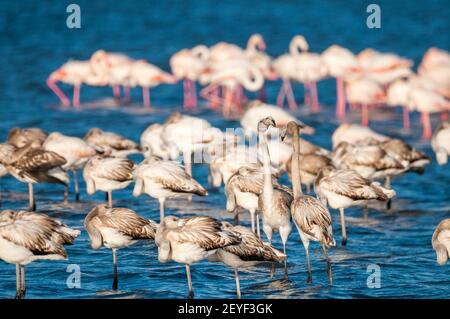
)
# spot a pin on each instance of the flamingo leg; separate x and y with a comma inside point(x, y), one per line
point(314, 97)
point(330, 273)
point(193, 95)
point(77, 188)
point(344, 230)
point(115, 280)
point(281, 94)
point(59, 93)
point(444, 116)
point(32, 203)
point(306, 245)
point(146, 97)
point(209, 93)
point(127, 96)
point(364, 114)
point(18, 286)
point(290, 96)
point(285, 262)
point(252, 218)
point(340, 103)
point(76, 95)
point(109, 193)
point(188, 274)
point(238, 286)
point(116, 91)
point(228, 104)
point(185, 95)
point(161, 209)
point(22, 281)
point(307, 94)
point(406, 123)
point(427, 133)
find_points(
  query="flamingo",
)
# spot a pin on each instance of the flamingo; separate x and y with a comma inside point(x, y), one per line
point(152, 143)
point(117, 228)
point(74, 150)
point(147, 75)
point(249, 252)
point(366, 92)
point(353, 133)
point(344, 188)
point(340, 62)
point(187, 65)
point(74, 73)
point(312, 218)
point(114, 67)
point(33, 165)
point(107, 174)
point(258, 110)
point(273, 203)
point(164, 179)
point(189, 240)
point(19, 137)
point(111, 143)
point(309, 69)
point(232, 75)
point(26, 237)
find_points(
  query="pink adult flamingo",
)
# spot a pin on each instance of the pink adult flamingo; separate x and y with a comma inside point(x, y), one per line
point(147, 75)
point(364, 91)
point(187, 65)
point(74, 73)
point(116, 67)
point(310, 68)
point(232, 76)
point(340, 62)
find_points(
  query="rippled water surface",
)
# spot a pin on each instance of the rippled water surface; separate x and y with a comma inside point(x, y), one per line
point(34, 41)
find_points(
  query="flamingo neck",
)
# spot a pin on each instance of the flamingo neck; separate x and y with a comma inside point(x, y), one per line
point(268, 187)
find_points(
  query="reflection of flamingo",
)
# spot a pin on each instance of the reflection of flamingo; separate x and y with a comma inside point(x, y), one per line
point(340, 62)
point(366, 92)
point(147, 75)
point(310, 68)
point(188, 64)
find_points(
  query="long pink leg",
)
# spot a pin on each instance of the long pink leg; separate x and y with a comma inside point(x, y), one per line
point(290, 97)
point(146, 97)
point(228, 101)
point(214, 102)
point(193, 93)
point(210, 94)
point(364, 114)
point(340, 103)
point(185, 94)
point(76, 95)
point(116, 91)
point(406, 124)
point(281, 94)
point(314, 97)
point(427, 133)
point(59, 93)
point(307, 94)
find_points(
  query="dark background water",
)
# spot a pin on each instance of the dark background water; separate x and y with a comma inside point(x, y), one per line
point(35, 41)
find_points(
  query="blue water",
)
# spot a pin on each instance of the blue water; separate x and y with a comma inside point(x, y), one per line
point(35, 40)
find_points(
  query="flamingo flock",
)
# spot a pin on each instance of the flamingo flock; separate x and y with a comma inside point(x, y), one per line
point(348, 175)
point(364, 81)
